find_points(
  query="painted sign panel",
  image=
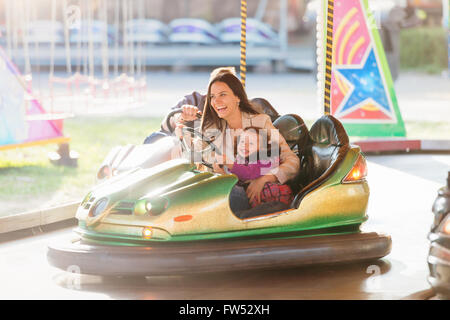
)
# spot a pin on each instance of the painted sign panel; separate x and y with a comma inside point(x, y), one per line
point(362, 92)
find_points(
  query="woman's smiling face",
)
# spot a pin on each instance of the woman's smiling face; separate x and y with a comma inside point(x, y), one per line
point(223, 100)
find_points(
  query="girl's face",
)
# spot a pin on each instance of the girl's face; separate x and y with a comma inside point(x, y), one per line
point(223, 100)
point(248, 143)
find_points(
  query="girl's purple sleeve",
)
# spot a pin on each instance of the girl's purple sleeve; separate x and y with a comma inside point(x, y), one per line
point(249, 171)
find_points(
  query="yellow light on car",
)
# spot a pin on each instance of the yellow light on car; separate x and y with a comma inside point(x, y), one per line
point(147, 233)
point(356, 174)
point(358, 171)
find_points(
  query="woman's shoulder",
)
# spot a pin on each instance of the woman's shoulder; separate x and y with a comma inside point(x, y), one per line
point(256, 115)
point(257, 120)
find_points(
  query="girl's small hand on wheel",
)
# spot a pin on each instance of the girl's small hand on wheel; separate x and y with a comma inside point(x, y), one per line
point(218, 169)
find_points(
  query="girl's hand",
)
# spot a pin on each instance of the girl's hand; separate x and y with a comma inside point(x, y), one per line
point(218, 169)
point(256, 186)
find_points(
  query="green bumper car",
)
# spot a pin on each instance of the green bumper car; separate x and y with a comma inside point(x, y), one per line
point(154, 213)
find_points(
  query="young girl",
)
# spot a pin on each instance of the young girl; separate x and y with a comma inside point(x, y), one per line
point(255, 158)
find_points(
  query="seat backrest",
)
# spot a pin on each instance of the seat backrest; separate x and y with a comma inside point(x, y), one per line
point(294, 131)
point(328, 137)
point(328, 146)
point(264, 106)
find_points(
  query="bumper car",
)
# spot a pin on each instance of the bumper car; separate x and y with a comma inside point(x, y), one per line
point(46, 32)
point(257, 32)
point(147, 31)
point(154, 213)
point(192, 31)
point(439, 254)
point(94, 31)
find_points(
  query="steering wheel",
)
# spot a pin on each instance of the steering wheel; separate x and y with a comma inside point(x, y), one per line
point(194, 133)
point(197, 134)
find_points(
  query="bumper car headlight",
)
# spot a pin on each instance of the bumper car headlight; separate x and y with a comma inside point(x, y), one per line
point(152, 207)
point(99, 207)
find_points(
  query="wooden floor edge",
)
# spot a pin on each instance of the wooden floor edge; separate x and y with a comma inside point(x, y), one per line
point(38, 218)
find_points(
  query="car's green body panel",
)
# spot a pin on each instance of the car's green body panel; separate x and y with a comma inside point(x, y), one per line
point(197, 207)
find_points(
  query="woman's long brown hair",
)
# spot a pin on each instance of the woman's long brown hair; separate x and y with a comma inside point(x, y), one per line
point(210, 116)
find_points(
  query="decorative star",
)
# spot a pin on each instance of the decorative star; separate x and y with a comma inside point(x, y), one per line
point(366, 85)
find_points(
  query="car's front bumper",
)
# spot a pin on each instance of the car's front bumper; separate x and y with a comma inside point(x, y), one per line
point(168, 258)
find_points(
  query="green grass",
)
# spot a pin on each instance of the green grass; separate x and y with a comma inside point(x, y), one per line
point(423, 49)
point(28, 181)
point(428, 130)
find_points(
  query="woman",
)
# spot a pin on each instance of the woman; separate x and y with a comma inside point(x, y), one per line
point(226, 113)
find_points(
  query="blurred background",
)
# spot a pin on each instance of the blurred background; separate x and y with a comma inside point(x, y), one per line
point(113, 68)
point(79, 48)
point(118, 35)
point(106, 72)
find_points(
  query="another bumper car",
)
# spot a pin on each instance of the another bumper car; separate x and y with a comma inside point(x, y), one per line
point(45, 32)
point(147, 31)
point(94, 31)
point(439, 255)
point(154, 213)
point(192, 31)
point(257, 32)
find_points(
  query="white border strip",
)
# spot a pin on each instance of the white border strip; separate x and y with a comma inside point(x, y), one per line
point(443, 145)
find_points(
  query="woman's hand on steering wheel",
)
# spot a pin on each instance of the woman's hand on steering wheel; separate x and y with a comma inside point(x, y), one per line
point(189, 113)
point(178, 117)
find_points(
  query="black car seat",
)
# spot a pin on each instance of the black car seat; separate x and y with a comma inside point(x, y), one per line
point(327, 148)
point(264, 106)
point(293, 129)
point(295, 132)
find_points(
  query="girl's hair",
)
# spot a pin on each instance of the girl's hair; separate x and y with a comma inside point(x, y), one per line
point(210, 116)
point(265, 145)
